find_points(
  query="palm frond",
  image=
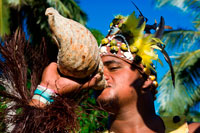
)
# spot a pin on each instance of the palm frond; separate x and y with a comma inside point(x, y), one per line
point(197, 24)
point(188, 59)
point(187, 92)
point(32, 17)
point(31, 14)
point(180, 37)
point(176, 3)
point(185, 5)
point(193, 116)
point(17, 55)
point(17, 4)
point(98, 35)
point(4, 17)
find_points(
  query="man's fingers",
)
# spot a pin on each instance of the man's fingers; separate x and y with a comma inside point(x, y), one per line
point(93, 81)
point(64, 85)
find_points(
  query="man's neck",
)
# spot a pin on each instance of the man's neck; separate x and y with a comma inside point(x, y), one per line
point(132, 119)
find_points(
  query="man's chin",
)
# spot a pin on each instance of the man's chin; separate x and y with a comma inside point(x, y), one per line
point(107, 103)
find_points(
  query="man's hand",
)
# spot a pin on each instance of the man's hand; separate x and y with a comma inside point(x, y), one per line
point(51, 79)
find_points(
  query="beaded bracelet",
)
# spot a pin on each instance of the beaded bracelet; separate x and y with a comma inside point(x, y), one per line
point(45, 93)
point(41, 99)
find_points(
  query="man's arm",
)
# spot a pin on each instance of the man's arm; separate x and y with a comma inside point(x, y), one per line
point(194, 127)
point(60, 85)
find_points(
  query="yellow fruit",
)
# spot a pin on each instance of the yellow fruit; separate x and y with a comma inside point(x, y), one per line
point(113, 43)
point(155, 83)
point(114, 48)
point(111, 24)
point(104, 41)
point(152, 77)
point(147, 71)
point(133, 49)
point(124, 47)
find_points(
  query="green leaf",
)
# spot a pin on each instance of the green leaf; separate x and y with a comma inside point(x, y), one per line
point(190, 6)
point(181, 37)
point(197, 24)
point(97, 34)
point(4, 17)
point(16, 3)
point(186, 93)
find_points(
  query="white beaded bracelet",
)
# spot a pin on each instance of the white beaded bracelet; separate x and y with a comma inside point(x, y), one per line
point(41, 99)
point(44, 94)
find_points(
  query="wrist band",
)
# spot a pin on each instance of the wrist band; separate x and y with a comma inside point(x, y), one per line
point(44, 92)
point(46, 89)
point(41, 99)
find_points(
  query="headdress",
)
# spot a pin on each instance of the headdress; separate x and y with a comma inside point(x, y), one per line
point(130, 39)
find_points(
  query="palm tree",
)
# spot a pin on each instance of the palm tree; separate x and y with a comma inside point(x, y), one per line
point(186, 94)
point(30, 14)
point(13, 13)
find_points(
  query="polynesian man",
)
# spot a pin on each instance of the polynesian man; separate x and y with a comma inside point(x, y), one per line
point(127, 55)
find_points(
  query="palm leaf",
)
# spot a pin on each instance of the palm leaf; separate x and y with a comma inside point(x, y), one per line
point(180, 4)
point(61, 7)
point(197, 24)
point(193, 116)
point(180, 37)
point(98, 35)
point(17, 3)
point(32, 16)
point(4, 17)
point(184, 5)
point(187, 92)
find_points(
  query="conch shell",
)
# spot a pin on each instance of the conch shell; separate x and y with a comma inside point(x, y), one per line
point(78, 54)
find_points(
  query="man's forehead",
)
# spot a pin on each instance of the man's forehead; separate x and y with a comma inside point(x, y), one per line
point(109, 62)
point(111, 59)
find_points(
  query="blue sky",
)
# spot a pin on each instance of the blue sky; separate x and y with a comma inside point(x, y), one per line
point(101, 12)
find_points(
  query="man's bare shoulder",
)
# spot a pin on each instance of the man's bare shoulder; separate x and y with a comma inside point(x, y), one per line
point(194, 127)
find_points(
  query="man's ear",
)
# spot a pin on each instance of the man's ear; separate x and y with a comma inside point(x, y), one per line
point(147, 83)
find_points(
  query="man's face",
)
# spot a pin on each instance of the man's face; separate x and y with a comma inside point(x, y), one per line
point(122, 82)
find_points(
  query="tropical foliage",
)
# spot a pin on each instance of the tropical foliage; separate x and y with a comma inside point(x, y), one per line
point(97, 34)
point(4, 18)
point(91, 118)
point(13, 13)
point(30, 14)
point(186, 94)
point(185, 5)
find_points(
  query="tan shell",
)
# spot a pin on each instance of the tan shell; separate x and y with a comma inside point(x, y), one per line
point(78, 54)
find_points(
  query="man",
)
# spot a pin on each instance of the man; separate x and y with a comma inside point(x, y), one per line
point(131, 81)
point(131, 108)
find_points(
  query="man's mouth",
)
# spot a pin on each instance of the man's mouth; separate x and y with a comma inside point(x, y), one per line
point(108, 86)
point(98, 92)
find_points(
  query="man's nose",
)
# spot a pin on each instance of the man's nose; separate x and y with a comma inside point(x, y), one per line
point(106, 74)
